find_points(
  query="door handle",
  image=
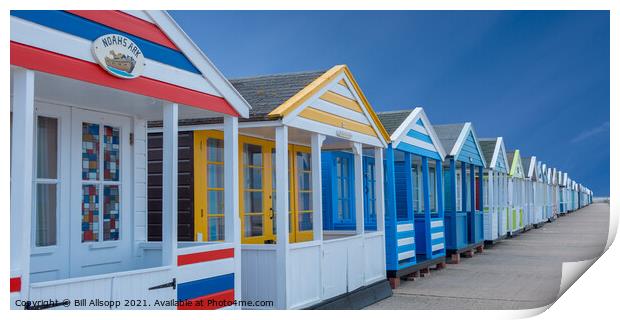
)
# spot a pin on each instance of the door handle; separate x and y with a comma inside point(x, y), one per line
point(271, 215)
point(172, 284)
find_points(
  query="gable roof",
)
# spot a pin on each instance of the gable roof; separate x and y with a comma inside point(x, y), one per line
point(268, 92)
point(454, 136)
point(494, 153)
point(488, 148)
point(529, 167)
point(411, 131)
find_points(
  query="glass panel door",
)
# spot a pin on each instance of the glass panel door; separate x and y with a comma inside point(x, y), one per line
point(253, 193)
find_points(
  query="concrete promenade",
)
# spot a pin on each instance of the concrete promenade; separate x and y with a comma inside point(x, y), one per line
point(517, 273)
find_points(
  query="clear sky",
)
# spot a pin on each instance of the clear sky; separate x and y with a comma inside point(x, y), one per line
point(540, 79)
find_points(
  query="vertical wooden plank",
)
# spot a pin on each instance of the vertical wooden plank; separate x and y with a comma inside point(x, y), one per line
point(170, 183)
point(427, 206)
point(379, 189)
point(317, 196)
point(282, 216)
point(439, 191)
point(21, 172)
point(390, 209)
point(232, 222)
point(358, 179)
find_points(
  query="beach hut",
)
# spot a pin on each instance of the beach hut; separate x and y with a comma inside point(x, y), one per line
point(84, 84)
point(562, 191)
point(555, 192)
point(528, 206)
point(414, 219)
point(463, 189)
point(535, 187)
point(495, 188)
point(516, 190)
point(312, 147)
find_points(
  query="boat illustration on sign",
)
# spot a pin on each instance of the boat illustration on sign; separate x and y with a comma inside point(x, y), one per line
point(119, 56)
point(120, 62)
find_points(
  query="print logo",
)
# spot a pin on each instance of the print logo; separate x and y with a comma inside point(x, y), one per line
point(119, 56)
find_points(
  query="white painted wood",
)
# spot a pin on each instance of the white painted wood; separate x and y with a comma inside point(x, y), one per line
point(374, 254)
point(416, 142)
point(356, 256)
point(140, 181)
point(359, 187)
point(51, 262)
point(334, 262)
point(305, 281)
point(410, 123)
point(170, 184)
point(341, 90)
point(139, 14)
point(406, 255)
point(204, 270)
point(21, 176)
point(405, 227)
point(259, 273)
point(200, 61)
point(405, 241)
point(335, 109)
point(282, 217)
point(379, 191)
point(39, 36)
point(436, 223)
point(316, 141)
point(232, 222)
point(318, 127)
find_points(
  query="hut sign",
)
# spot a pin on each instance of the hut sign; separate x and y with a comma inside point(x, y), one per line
point(119, 56)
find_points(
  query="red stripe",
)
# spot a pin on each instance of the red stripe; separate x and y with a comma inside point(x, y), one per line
point(16, 284)
point(210, 302)
point(50, 62)
point(127, 23)
point(205, 256)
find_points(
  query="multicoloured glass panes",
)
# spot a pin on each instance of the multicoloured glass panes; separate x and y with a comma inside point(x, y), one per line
point(90, 213)
point(111, 153)
point(111, 212)
point(90, 151)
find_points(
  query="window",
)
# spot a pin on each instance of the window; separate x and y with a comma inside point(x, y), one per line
point(468, 191)
point(416, 181)
point(253, 190)
point(215, 189)
point(100, 191)
point(432, 185)
point(459, 191)
point(343, 192)
point(274, 224)
point(304, 190)
point(370, 213)
point(46, 182)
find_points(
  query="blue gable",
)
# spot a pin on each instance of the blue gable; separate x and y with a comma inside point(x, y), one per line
point(469, 152)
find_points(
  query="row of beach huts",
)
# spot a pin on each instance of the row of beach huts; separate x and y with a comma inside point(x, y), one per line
point(143, 178)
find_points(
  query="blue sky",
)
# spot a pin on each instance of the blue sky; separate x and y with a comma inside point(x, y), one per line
point(540, 79)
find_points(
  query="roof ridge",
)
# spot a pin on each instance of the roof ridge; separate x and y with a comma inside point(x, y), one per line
point(273, 75)
point(395, 111)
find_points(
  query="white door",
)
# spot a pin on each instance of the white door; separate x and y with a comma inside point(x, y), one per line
point(100, 216)
point(51, 187)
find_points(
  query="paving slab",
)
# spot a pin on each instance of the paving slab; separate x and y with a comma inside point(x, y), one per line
point(521, 272)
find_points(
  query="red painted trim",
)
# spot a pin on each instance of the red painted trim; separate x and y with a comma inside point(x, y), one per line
point(205, 256)
point(218, 300)
point(16, 284)
point(127, 23)
point(50, 62)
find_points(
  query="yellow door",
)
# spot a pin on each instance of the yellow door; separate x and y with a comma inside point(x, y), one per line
point(256, 189)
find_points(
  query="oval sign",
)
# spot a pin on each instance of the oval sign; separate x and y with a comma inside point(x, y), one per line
point(119, 56)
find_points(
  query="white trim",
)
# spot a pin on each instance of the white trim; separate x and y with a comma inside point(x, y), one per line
point(232, 222)
point(438, 246)
point(341, 90)
point(200, 61)
point(410, 122)
point(39, 36)
point(335, 109)
point(140, 14)
point(406, 255)
point(282, 220)
point(405, 241)
point(460, 142)
point(169, 184)
point(404, 227)
point(316, 142)
point(417, 143)
point(363, 107)
point(436, 223)
point(437, 235)
point(495, 154)
point(318, 127)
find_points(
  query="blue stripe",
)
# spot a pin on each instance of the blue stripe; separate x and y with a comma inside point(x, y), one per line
point(89, 30)
point(436, 241)
point(420, 136)
point(403, 146)
point(419, 122)
point(405, 248)
point(405, 234)
point(203, 287)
